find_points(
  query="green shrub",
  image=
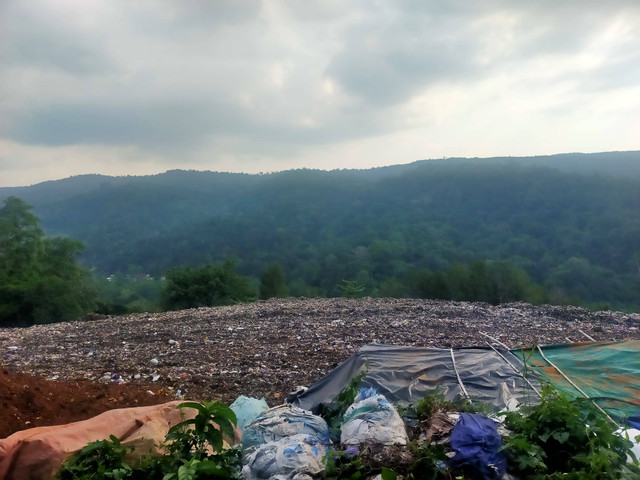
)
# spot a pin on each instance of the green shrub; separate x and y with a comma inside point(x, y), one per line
point(194, 452)
point(566, 439)
point(99, 460)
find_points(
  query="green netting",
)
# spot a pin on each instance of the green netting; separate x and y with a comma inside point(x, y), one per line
point(608, 372)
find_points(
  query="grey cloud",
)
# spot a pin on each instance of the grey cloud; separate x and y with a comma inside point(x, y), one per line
point(49, 51)
point(389, 57)
point(156, 123)
point(39, 38)
point(161, 126)
point(393, 76)
point(184, 74)
point(168, 18)
point(386, 64)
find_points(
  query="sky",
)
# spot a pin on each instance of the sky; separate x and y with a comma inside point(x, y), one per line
point(132, 87)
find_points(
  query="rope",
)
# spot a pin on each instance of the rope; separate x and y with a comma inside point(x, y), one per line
point(464, 390)
point(516, 370)
point(495, 340)
point(576, 386)
point(590, 338)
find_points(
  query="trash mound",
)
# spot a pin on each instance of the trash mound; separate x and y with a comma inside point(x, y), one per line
point(28, 401)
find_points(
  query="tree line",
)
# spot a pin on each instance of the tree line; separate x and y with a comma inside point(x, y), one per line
point(577, 235)
point(41, 280)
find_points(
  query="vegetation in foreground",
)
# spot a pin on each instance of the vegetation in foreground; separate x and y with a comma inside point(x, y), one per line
point(559, 439)
point(194, 451)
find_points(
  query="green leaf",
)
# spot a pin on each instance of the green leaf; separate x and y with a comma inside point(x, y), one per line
point(202, 409)
point(561, 437)
point(188, 470)
point(388, 474)
point(222, 411)
point(225, 426)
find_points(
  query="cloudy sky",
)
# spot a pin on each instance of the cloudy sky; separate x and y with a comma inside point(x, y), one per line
point(141, 86)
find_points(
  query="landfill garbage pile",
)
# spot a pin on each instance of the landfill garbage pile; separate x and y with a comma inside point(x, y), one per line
point(263, 348)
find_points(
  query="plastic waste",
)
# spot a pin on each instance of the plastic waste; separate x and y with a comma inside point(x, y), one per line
point(634, 421)
point(290, 458)
point(248, 409)
point(371, 418)
point(632, 434)
point(283, 421)
point(476, 443)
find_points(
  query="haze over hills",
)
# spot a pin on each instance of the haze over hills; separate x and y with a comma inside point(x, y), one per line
point(572, 221)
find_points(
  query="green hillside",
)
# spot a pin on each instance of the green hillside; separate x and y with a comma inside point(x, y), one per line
point(572, 222)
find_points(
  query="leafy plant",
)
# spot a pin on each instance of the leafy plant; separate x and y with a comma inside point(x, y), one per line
point(430, 464)
point(222, 465)
point(436, 401)
point(562, 438)
point(192, 438)
point(194, 452)
point(343, 466)
point(99, 460)
point(334, 412)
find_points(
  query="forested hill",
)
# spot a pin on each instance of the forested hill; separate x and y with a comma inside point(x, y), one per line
point(571, 221)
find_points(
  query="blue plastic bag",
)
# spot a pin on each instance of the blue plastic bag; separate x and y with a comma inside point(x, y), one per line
point(248, 409)
point(634, 421)
point(476, 443)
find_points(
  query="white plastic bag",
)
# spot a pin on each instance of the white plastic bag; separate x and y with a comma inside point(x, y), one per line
point(288, 458)
point(371, 418)
point(283, 421)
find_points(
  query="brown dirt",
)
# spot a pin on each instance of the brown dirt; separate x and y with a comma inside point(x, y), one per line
point(27, 401)
point(265, 349)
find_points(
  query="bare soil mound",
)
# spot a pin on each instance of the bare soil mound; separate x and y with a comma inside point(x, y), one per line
point(260, 349)
point(27, 401)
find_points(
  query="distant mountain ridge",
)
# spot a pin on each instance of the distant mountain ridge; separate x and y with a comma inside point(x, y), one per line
point(624, 164)
point(572, 221)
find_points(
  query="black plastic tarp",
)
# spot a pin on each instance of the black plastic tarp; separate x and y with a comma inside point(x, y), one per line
point(406, 374)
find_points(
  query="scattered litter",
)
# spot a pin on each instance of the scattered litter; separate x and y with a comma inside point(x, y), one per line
point(439, 427)
point(371, 418)
point(331, 330)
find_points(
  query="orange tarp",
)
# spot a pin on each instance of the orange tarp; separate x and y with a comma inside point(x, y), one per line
point(38, 453)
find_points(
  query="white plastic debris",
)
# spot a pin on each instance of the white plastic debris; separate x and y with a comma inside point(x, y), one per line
point(280, 422)
point(632, 434)
point(289, 458)
point(371, 418)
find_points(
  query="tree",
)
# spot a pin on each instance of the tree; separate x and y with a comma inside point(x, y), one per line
point(351, 289)
point(207, 286)
point(273, 282)
point(40, 281)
